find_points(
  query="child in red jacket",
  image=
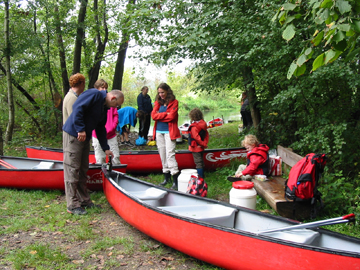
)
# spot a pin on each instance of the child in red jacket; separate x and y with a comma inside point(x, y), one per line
point(198, 139)
point(257, 158)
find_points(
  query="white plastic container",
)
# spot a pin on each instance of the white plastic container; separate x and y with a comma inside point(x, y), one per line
point(243, 194)
point(184, 178)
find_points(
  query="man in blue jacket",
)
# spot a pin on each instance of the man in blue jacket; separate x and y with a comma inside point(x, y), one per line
point(89, 113)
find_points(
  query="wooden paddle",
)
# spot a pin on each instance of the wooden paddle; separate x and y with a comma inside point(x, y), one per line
point(331, 221)
point(6, 165)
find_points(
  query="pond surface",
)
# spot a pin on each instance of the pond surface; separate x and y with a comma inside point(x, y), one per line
point(208, 115)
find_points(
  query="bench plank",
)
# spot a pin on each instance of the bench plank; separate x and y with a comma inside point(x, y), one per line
point(288, 156)
point(273, 190)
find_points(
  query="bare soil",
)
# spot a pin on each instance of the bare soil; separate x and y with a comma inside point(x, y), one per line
point(146, 254)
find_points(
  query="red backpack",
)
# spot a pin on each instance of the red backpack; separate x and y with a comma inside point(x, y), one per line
point(302, 183)
point(197, 186)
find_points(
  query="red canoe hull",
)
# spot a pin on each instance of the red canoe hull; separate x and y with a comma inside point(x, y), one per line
point(48, 179)
point(222, 247)
point(149, 161)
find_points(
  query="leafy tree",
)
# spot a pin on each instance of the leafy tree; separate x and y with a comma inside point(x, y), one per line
point(329, 29)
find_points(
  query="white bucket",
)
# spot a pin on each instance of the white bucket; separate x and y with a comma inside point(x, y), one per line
point(243, 194)
point(184, 178)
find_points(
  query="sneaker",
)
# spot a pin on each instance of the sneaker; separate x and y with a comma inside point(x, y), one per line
point(77, 211)
point(92, 205)
point(122, 143)
point(129, 144)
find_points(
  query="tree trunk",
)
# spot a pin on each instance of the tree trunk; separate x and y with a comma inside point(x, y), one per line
point(249, 85)
point(21, 89)
point(95, 69)
point(120, 62)
point(79, 36)
point(1, 142)
point(11, 123)
point(62, 57)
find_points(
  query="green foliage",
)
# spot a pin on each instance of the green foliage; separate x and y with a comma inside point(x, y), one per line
point(340, 196)
point(333, 24)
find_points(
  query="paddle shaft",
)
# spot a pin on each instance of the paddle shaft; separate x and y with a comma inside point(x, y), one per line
point(6, 165)
point(331, 221)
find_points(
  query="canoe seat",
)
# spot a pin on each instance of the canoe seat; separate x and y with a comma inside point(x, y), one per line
point(303, 236)
point(151, 196)
point(44, 165)
point(212, 213)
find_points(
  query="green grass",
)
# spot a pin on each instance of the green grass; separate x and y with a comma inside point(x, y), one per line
point(43, 256)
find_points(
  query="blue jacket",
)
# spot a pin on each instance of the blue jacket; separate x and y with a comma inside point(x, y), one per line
point(144, 103)
point(127, 115)
point(89, 113)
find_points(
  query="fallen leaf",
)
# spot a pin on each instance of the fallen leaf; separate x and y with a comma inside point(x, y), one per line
point(33, 252)
point(167, 258)
point(110, 253)
point(78, 261)
point(47, 205)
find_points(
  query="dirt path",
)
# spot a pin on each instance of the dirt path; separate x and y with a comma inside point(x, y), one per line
point(123, 246)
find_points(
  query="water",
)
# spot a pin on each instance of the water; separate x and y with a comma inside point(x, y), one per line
point(208, 115)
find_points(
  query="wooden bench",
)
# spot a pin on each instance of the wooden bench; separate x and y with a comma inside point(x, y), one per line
point(273, 190)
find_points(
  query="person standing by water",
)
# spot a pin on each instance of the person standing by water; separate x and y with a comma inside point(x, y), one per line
point(245, 111)
point(89, 113)
point(166, 131)
point(144, 104)
point(111, 123)
point(198, 139)
point(77, 86)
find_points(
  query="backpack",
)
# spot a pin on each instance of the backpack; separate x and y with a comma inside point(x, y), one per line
point(197, 186)
point(302, 183)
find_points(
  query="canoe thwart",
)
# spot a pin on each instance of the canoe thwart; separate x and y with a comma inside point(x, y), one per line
point(212, 213)
point(44, 165)
point(151, 195)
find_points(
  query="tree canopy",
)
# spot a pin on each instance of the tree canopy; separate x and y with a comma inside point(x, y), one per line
point(234, 45)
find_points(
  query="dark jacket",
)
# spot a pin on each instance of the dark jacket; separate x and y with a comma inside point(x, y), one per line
point(144, 103)
point(258, 161)
point(89, 113)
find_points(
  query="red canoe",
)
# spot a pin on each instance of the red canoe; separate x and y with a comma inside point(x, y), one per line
point(226, 235)
point(149, 161)
point(30, 173)
point(215, 122)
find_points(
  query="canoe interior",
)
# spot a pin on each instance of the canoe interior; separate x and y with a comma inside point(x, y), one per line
point(235, 219)
point(32, 164)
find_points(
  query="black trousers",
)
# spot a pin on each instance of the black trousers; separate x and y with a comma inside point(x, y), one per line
point(144, 127)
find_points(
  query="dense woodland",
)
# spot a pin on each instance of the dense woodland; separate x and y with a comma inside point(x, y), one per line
point(297, 60)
